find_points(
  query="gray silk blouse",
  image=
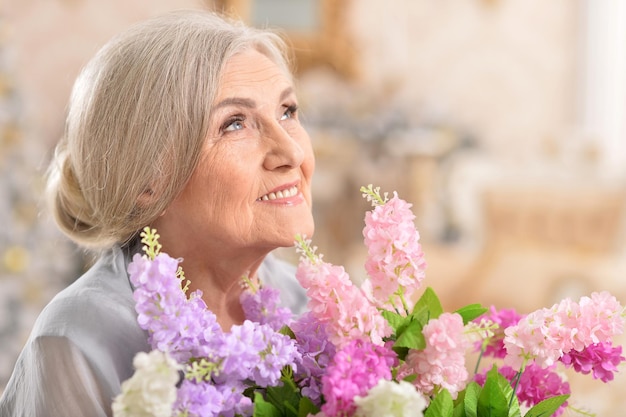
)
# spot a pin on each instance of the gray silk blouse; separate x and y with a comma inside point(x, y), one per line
point(82, 346)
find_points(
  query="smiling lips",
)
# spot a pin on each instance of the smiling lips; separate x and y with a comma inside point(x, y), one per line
point(287, 193)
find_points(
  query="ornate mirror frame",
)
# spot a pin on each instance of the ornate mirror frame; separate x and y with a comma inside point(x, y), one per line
point(329, 45)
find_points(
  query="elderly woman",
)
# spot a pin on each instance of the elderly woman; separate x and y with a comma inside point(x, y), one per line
point(186, 123)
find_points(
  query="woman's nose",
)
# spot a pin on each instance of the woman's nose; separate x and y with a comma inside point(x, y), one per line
point(284, 148)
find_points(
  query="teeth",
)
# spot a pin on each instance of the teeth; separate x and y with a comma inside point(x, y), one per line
point(290, 192)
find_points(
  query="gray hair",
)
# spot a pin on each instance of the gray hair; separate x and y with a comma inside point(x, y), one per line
point(137, 120)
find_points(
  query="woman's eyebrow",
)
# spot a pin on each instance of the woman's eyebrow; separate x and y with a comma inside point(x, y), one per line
point(286, 93)
point(249, 103)
point(236, 101)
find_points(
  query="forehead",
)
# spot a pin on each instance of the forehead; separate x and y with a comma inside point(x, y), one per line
point(251, 69)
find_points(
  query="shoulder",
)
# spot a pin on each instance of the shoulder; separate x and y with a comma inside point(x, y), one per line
point(102, 295)
point(87, 336)
point(52, 374)
point(96, 313)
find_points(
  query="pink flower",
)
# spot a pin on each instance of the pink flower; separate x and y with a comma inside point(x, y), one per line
point(442, 362)
point(601, 358)
point(395, 262)
point(601, 317)
point(356, 368)
point(546, 334)
point(339, 304)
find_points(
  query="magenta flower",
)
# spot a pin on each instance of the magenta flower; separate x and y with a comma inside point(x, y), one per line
point(356, 368)
point(395, 262)
point(600, 358)
point(536, 384)
point(503, 318)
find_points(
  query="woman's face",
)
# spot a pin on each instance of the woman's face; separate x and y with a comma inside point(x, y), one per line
point(252, 187)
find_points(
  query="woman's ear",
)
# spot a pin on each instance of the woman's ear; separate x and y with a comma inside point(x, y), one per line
point(146, 197)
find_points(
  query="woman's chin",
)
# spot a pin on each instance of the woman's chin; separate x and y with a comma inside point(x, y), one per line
point(306, 230)
point(289, 239)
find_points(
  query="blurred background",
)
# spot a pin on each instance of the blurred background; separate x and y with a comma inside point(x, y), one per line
point(501, 121)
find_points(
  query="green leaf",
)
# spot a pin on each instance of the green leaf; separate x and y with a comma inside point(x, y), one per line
point(459, 410)
point(397, 322)
point(441, 406)
point(410, 378)
point(547, 407)
point(411, 337)
point(459, 405)
point(506, 388)
point(427, 307)
point(306, 407)
point(492, 402)
point(402, 352)
point(471, 312)
point(470, 401)
point(286, 330)
point(286, 397)
point(263, 408)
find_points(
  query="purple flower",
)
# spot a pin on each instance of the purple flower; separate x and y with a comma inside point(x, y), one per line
point(317, 353)
point(600, 358)
point(279, 352)
point(199, 399)
point(240, 349)
point(182, 326)
point(255, 352)
point(212, 400)
point(262, 306)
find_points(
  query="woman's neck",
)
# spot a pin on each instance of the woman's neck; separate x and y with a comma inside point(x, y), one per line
point(221, 287)
point(216, 268)
point(220, 277)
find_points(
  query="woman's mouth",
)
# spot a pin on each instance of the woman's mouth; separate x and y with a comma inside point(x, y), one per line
point(286, 193)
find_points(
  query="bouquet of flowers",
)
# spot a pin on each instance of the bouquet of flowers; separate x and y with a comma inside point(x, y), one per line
point(385, 348)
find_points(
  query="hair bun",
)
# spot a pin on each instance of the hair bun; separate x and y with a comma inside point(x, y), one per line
point(71, 210)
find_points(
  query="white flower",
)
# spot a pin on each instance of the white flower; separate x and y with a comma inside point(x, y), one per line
point(391, 399)
point(151, 391)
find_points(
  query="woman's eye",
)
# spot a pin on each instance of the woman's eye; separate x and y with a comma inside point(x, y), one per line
point(289, 113)
point(234, 124)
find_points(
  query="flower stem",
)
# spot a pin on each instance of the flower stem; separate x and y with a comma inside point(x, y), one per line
point(581, 411)
point(372, 195)
point(303, 246)
point(517, 380)
point(480, 357)
point(400, 294)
